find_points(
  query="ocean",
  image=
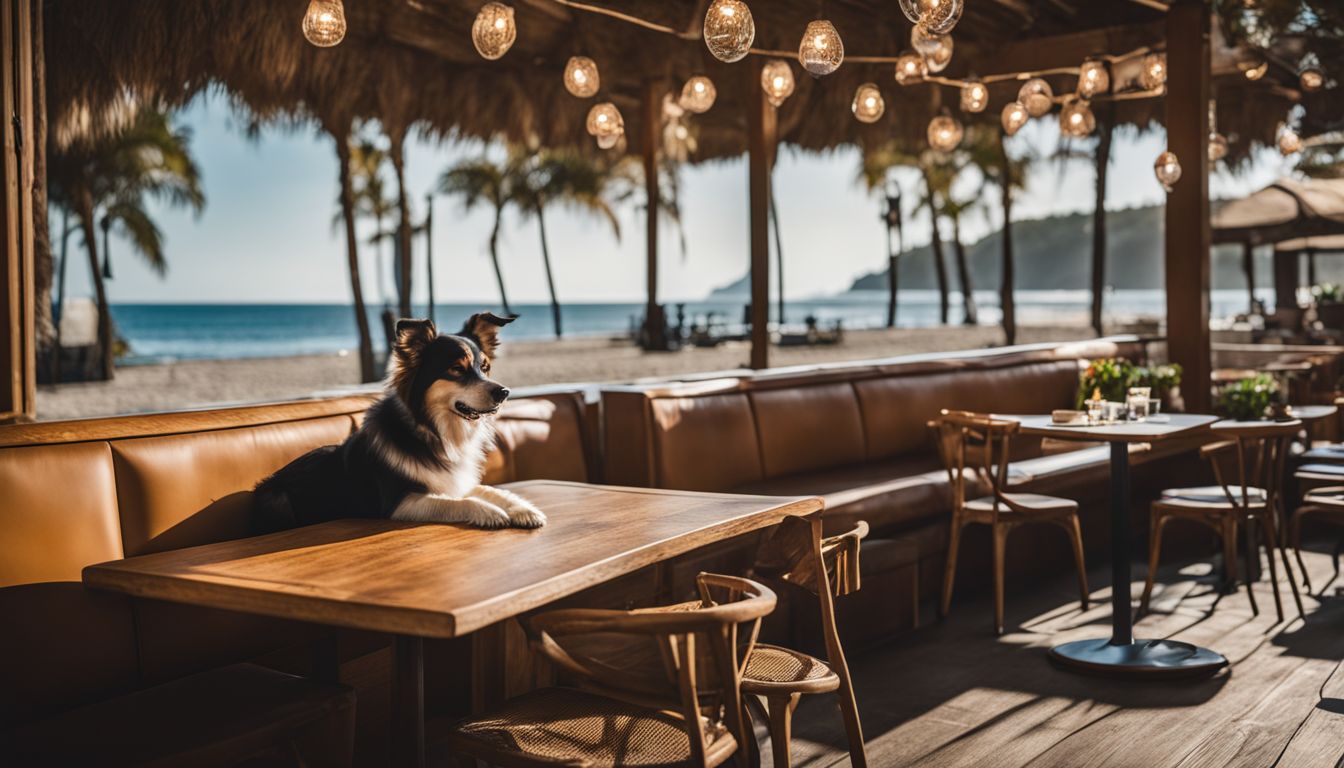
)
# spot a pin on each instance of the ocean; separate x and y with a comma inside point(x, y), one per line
point(165, 332)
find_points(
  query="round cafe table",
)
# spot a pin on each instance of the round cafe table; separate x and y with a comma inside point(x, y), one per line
point(1122, 655)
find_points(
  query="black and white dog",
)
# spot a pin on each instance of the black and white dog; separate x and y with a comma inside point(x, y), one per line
point(421, 450)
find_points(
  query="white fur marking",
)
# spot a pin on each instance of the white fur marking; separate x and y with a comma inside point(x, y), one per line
point(522, 513)
point(434, 508)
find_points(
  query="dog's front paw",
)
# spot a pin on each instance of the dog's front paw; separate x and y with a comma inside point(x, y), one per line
point(523, 514)
point(483, 514)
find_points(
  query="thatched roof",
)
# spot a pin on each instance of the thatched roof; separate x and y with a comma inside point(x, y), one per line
point(1285, 209)
point(411, 64)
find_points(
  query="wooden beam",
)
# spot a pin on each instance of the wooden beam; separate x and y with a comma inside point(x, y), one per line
point(762, 134)
point(1188, 234)
point(17, 331)
point(1287, 278)
point(1030, 54)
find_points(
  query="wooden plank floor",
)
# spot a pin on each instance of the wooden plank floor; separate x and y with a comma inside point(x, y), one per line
point(952, 694)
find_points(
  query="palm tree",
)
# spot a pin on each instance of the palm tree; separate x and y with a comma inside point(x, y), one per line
point(940, 174)
point(567, 177)
point(115, 176)
point(340, 128)
point(484, 182)
point(371, 200)
point(954, 209)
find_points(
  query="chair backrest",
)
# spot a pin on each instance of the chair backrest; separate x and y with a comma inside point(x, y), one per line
point(1256, 452)
point(705, 689)
point(975, 447)
point(790, 555)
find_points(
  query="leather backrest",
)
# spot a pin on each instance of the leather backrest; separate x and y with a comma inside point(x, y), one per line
point(705, 443)
point(540, 438)
point(808, 428)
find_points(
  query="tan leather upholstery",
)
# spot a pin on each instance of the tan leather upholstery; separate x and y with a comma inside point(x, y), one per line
point(704, 443)
point(540, 438)
point(808, 428)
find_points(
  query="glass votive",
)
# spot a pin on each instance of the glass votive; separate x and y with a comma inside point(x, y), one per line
point(1096, 409)
point(1112, 411)
point(1136, 403)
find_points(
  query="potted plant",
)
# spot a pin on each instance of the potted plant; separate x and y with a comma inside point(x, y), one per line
point(1111, 376)
point(1165, 383)
point(1249, 399)
point(1329, 305)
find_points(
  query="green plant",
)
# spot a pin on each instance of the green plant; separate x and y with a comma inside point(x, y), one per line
point(1111, 376)
point(1248, 399)
point(1328, 293)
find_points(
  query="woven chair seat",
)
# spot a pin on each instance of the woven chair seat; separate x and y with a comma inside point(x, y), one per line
point(771, 669)
point(576, 727)
point(1211, 497)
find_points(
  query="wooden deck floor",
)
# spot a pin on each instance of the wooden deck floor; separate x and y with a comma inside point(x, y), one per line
point(954, 695)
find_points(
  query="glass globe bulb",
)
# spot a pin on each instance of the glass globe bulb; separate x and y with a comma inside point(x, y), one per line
point(324, 23)
point(729, 30)
point(1093, 78)
point(938, 16)
point(911, 68)
point(821, 50)
point(1217, 147)
point(1014, 116)
point(494, 31)
point(1153, 71)
point(1289, 142)
point(944, 133)
point(936, 49)
point(1311, 79)
point(607, 141)
point(605, 119)
point(1076, 119)
point(1252, 64)
point(777, 81)
point(1168, 170)
point(974, 96)
point(1037, 96)
point(698, 94)
point(581, 78)
point(868, 103)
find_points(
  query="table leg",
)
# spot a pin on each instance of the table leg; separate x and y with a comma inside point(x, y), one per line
point(1122, 655)
point(408, 702)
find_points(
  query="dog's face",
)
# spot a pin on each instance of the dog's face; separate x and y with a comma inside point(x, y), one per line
point(442, 377)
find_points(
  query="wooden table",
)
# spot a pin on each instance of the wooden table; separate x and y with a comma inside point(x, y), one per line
point(1122, 655)
point(429, 580)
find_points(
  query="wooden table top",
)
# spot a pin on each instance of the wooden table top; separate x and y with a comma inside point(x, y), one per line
point(1172, 425)
point(1312, 412)
point(435, 580)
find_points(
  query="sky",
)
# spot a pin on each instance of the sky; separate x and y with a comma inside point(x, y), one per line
point(266, 234)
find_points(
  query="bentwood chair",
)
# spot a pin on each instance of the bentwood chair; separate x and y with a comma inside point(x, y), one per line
point(829, 569)
point(975, 451)
point(683, 710)
point(1322, 503)
point(1246, 494)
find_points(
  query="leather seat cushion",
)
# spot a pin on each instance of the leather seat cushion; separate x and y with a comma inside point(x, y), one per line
point(705, 443)
point(539, 438)
point(1332, 452)
point(1210, 495)
point(1328, 472)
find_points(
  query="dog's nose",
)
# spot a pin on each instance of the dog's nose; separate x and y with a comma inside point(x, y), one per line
point(499, 394)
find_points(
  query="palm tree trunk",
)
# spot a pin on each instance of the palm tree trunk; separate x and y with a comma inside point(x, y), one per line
point(779, 253)
point(494, 259)
point(971, 317)
point(550, 279)
point(403, 250)
point(429, 253)
point(366, 368)
point(1248, 267)
point(59, 310)
point(939, 262)
point(1105, 122)
point(1006, 288)
point(86, 223)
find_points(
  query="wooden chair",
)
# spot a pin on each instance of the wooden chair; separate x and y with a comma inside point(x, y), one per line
point(685, 710)
point(975, 451)
point(1325, 503)
point(1257, 451)
point(826, 569)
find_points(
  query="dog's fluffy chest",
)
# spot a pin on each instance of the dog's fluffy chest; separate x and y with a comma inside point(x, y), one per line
point(463, 451)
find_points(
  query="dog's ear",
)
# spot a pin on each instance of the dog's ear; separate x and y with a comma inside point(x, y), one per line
point(412, 337)
point(484, 328)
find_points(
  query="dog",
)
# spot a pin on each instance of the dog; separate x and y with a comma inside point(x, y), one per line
point(420, 453)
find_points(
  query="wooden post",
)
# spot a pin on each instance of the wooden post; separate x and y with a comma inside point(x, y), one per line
point(1188, 235)
point(761, 137)
point(1248, 266)
point(1287, 278)
point(18, 383)
point(655, 323)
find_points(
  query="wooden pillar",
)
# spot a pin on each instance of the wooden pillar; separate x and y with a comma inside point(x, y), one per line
point(18, 381)
point(1188, 235)
point(1248, 266)
point(655, 323)
point(761, 137)
point(1287, 277)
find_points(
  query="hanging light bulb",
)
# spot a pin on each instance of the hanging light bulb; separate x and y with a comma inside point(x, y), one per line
point(1037, 96)
point(581, 78)
point(821, 50)
point(910, 68)
point(1289, 142)
point(605, 119)
point(1093, 78)
point(868, 104)
point(1312, 79)
point(1153, 71)
point(324, 23)
point(1252, 64)
point(729, 30)
point(945, 133)
point(607, 141)
point(777, 81)
point(493, 32)
point(974, 96)
point(698, 94)
point(1168, 170)
point(936, 49)
point(1014, 116)
point(1218, 146)
point(938, 16)
point(1076, 119)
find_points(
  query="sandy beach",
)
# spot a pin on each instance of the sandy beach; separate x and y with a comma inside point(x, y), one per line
point(194, 383)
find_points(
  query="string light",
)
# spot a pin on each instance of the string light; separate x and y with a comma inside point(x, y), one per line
point(936, 49)
point(777, 81)
point(605, 119)
point(1289, 142)
point(698, 94)
point(974, 96)
point(868, 104)
point(1218, 147)
point(1076, 119)
point(494, 30)
point(1093, 78)
point(581, 78)
point(1037, 96)
point(1014, 116)
point(821, 50)
point(1252, 64)
point(938, 16)
point(1168, 170)
point(1312, 79)
point(729, 30)
point(1153, 71)
point(324, 23)
point(910, 68)
point(607, 141)
point(945, 133)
